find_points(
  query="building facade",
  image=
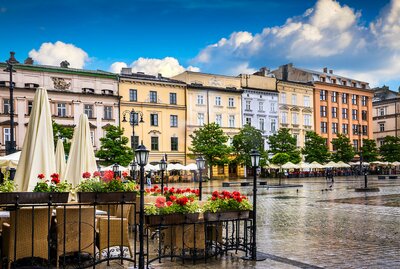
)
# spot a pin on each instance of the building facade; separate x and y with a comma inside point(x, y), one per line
point(162, 103)
point(71, 92)
point(386, 111)
point(213, 98)
point(260, 103)
point(341, 105)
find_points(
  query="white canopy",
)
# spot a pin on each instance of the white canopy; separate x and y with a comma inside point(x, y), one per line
point(290, 165)
point(191, 167)
point(358, 163)
point(110, 168)
point(150, 167)
point(331, 164)
point(10, 160)
point(316, 165)
point(395, 163)
point(304, 165)
point(342, 164)
point(37, 155)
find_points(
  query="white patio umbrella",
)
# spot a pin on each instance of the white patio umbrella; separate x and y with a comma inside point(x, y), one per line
point(396, 163)
point(304, 165)
point(10, 160)
point(179, 166)
point(171, 166)
point(60, 159)
point(191, 167)
point(150, 167)
point(290, 165)
point(331, 164)
point(37, 156)
point(81, 156)
point(342, 164)
point(110, 168)
point(272, 166)
point(316, 165)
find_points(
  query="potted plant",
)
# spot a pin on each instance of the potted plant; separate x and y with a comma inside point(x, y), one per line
point(226, 206)
point(106, 189)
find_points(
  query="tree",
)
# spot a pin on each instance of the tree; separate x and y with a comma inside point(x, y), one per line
point(247, 139)
point(284, 142)
point(280, 159)
point(390, 150)
point(210, 142)
point(65, 133)
point(114, 147)
point(369, 150)
point(344, 150)
point(315, 148)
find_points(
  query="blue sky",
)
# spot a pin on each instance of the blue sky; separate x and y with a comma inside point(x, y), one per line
point(356, 38)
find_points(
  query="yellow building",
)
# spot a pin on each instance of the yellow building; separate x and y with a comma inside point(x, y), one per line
point(162, 103)
point(213, 98)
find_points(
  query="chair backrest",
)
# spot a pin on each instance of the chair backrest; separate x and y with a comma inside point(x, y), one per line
point(110, 233)
point(123, 210)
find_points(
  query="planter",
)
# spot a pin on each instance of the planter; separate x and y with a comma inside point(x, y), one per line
point(106, 197)
point(33, 197)
point(226, 215)
point(171, 219)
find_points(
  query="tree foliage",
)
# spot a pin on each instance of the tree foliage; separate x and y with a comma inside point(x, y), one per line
point(210, 142)
point(114, 147)
point(284, 142)
point(65, 133)
point(344, 150)
point(247, 139)
point(369, 150)
point(315, 148)
point(280, 159)
point(390, 150)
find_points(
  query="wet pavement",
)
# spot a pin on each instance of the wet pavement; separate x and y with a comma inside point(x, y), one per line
point(321, 226)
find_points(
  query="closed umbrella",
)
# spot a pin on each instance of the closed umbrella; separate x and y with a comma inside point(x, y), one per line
point(10, 160)
point(81, 156)
point(60, 159)
point(37, 156)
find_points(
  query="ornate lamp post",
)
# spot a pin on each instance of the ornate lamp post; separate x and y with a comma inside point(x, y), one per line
point(133, 169)
point(142, 156)
point(115, 170)
point(163, 167)
point(134, 120)
point(200, 161)
point(10, 145)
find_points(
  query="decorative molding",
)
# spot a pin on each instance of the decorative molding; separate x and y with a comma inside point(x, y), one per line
point(61, 83)
point(154, 132)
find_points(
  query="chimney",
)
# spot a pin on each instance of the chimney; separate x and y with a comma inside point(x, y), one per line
point(126, 71)
point(159, 75)
point(285, 72)
point(330, 71)
point(12, 59)
point(28, 61)
point(325, 69)
point(64, 64)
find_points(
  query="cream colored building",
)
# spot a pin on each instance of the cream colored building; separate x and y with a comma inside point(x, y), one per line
point(213, 98)
point(163, 105)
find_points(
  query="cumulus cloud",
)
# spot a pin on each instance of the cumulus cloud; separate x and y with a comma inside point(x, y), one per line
point(54, 54)
point(167, 66)
point(329, 34)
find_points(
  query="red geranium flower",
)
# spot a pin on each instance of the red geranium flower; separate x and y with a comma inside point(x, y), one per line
point(96, 174)
point(124, 174)
point(86, 175)
point(41, 176)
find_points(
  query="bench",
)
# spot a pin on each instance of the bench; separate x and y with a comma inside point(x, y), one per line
point(242, 183)
point(392, 177)
point(381, 177)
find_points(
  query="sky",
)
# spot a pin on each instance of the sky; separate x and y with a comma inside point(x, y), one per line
point(356, 38)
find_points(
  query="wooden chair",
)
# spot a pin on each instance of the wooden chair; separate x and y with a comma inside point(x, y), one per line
point(21, 221)
point(110, 235)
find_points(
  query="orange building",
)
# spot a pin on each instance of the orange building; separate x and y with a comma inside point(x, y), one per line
point(341, 105)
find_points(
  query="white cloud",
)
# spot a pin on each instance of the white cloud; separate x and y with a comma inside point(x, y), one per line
point(167, 66)
point(54, 54)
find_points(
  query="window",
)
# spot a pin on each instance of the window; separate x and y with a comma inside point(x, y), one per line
point(218, 119)
point(334, 128)
point(231, 102)
point(261, 106)
point(153, 97)
point(364, 100)
point(88, 110)
point(355, 129)
point(307, 120)
point(273, 106)
point(92, 137)
point(248, 104)
point(323, 111)
point(354, 99)
point(365, 130)
point(345, 113)
point(154, 119)
point(364, 115)
point(217, 100)
point(296, 137)
point(284, 117)
point(294, 118)
point(354, 84)
point(324, 127)
point(294, 99)
point(174, 143)
point(283, 98)
point(381, 143)
point(381, 111)
point(344, 98)
point(333, 81)
point(322, 79)
point(273, 125)
point(334, 97)
point(355, 144)
point(345, 128)
point(248, 120)
point(154, 143)
point(261, 123)
point(200, 119)
point(307, 101)
point(172, 98)
point(61, 110)
point(6, 106)
point(381, 127)
point(220, 169)
point(344, 83)
point(132, 95)
point(173, 120)
point(354, 114)
point(108, 112)
point(200, 99)
point(231, 121)
point(334, 112)
point(134, 142)
point(7, 135)
point(322, 95)
point(30, 105)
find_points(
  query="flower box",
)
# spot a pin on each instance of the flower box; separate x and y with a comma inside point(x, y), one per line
point(33, 197)
point(106, 197)
point(171, 219)
point(226, 215)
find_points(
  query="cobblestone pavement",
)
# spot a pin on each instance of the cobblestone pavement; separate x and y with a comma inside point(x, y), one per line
point(307, 227)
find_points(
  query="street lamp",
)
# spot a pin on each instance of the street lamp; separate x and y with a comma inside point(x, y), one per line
point(133, 119)
point(163, 167)
point(10, 145)
point(142, 156)
point(115, 169)
point(363, 169)
point(200, 161)
point(133, 169)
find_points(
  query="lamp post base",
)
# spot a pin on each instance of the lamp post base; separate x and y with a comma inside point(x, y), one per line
point(259, 257)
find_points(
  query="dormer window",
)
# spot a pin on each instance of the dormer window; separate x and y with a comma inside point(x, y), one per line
point(107, 92)
point(31, 85)
point(87, 90)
